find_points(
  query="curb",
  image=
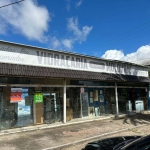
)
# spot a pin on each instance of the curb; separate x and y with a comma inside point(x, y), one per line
point(94, 137)
point(26, 129)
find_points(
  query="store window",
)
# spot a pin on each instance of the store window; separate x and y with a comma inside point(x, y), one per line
point(73, 104)
point(52, 104)
point(132, 100)
point(143, 95)
point(109, 94)
point(16, 107)
point(124, 100)
point(25, 106)
point(85, 102)
point(97, 102)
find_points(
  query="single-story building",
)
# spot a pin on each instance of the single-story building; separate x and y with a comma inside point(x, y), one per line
point(39, 85)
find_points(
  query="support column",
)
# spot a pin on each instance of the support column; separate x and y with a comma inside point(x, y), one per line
point(64, 102)
point(148, 95)
point(81, 114)
point(116, 94)
point(34, 113)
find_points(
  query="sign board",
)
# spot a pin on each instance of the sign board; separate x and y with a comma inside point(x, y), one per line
point(81, 90)
point(38, 97)
point(26, 55)
point(16, 95)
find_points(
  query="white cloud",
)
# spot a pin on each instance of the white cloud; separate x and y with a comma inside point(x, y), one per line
point(68, 5)
point(55, 43)
point(78, 3)
point(75, 35)
point(68, 43)
point(113, 54)
point(26, 18)
point(61, 44)
point(2, 27)
point(143, 53)
point(32, 21)
point(79, 35)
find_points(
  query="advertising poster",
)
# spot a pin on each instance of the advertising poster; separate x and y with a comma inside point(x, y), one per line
point(24, 113)
point(95, 95)
point(38, 97)
point(16, 95)
point(23, 110)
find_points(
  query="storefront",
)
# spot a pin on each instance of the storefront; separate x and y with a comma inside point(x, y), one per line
point(40, 86)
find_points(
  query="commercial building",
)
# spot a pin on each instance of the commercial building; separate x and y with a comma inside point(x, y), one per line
point(40, 86)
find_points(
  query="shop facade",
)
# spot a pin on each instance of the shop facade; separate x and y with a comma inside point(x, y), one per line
point(40, 86)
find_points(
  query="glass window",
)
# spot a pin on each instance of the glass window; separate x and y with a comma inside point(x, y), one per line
point(73, 107)
point(16, 107)
point(52, 104)
point(21, 106)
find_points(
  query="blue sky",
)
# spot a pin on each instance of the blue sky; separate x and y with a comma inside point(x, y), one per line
point(111, 29)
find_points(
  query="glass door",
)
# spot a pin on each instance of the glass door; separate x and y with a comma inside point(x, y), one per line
point(85, 104)
point(52, 106)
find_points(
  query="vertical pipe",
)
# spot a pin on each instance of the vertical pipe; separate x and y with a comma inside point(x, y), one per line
point(116, 94)
point(64, 102)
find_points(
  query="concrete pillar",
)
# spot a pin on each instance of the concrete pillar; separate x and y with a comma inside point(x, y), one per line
point(116, 95)
point(148, 95)
point(64, 102)
point(81, 114)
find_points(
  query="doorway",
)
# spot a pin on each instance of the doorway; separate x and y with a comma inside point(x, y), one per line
point(52, 107)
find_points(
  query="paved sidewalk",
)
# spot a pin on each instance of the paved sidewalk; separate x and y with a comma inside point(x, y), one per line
point(50, 138)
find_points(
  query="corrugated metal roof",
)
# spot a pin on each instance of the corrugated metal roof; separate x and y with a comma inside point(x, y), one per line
point(31, 71)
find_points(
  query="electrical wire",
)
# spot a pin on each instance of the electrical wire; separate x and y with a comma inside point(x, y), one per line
point(132, 37)
point(108, 42)
point(129, 36)
point(11, 4)
point(116, 38)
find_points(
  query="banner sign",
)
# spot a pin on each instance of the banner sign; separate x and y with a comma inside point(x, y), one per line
point(19, 54)
point(16, 95)
point(38, 97)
